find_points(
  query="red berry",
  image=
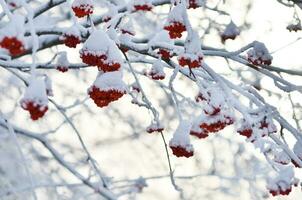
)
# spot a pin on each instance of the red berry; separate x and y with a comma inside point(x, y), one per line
point(36, 110)
point(71, 40)
point(175, 29)
point(13, 45)
point(103, 97)
point(180, 151)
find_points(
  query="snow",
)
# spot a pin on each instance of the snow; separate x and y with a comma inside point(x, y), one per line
point(193, 44)
point(160, 38)
point(98, 43)
point(78, 3)
point(259, 51)
point(74, 31)
point(284, 179)
point(157, 68)
point(231, 30)
point(176, 14)
point(181, 136)
point(281, 157)
point(298, 150)
point(36, 91)
point(48, 86)
point(14, 28)
point(62, 59)
point(110, 80)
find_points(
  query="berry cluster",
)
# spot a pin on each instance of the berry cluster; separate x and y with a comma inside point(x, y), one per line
point(175, 22)
point(103, 97)
point(193, 56)
point(35, 110)
point(259, 55)
point(107, 87)
point(71, 37)
point(82, 8)
point(14, 45)
point(157, 71)
point(180, 143)
point(101, 53)
point(35, 98)
point(231, 32)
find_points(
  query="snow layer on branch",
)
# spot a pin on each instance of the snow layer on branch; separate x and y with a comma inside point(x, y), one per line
point(181, 136)
point(36, 91)
point(74, 31)
point(161, 38)
point(14, 28)
point(298, 149)
point(110, 81)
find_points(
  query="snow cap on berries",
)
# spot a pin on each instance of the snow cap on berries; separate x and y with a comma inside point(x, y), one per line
point(71, 36)
point(281, 183)
point(35, 98)
point(175, 22)
point(107, 87)
point(62, 62)
point(99, 50)
point(142, 5)
point(180, 143)
point(99, 43)
point(281, 157)
point(36, 91)
point(259, 54)
point(231, 32)
point(193, 56)
point(110, 80)
point(12, 36)
point(157, 71)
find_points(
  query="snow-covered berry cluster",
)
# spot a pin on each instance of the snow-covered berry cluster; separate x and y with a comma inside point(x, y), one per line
point(258, 128)
point(216, 114)
point(161, 39)
point(99, 50)
point(294, 27)
point(71, 37)
point(192, 56)
point(142, 5)
point(107, 87)
point(282, 182)
point(231, 32)
point(62, 62)
point(12, 36)
point(259, 54)
point(180, 143)
point(157, 71)
point(82, 8)
point(175, 22)
point(35, 98)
